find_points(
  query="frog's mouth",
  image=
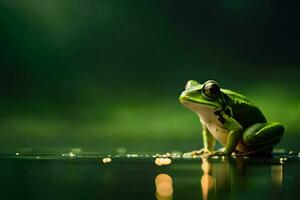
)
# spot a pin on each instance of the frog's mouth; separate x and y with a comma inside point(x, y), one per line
point(195, 104)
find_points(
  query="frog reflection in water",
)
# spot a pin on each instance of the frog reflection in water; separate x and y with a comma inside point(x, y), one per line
point(231, 119)
point(226, 179)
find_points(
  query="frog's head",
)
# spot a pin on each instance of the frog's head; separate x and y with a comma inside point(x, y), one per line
point(198, 97)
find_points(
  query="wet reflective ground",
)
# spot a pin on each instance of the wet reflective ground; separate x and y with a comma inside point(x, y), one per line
point(71, 176)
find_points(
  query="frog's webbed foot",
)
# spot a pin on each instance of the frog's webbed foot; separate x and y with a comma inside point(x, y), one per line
point(217, 153)
point(200, 152)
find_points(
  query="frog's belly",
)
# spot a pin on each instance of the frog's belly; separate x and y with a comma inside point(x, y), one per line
point(218, 131)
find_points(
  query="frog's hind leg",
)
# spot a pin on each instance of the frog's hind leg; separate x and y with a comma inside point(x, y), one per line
point(260, 138)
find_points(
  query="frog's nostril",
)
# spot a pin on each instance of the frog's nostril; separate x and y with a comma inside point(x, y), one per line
point(182, 96)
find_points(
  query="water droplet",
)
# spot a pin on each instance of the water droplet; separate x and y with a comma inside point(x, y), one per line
point(281, 160)
point(132, 155)
point(163, 161)
point(106, 160)
point(71, 154)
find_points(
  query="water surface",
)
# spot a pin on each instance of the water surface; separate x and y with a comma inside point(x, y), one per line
point(70, 176)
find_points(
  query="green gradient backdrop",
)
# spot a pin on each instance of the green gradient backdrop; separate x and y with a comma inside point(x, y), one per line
point(100, 75)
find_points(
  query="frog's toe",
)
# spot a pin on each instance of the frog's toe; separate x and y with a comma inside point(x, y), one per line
point(196, 152)
point(217, 153)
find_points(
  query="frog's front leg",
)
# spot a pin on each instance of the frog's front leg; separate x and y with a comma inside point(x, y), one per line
point(208, 143)
point(208, 140)
point(234, 136)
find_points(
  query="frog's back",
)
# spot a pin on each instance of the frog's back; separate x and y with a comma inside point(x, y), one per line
point(244, 111)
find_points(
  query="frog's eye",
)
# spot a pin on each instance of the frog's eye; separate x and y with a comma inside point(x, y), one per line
point(211, 89)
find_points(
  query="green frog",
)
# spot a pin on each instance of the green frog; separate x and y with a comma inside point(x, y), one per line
point(231, 119)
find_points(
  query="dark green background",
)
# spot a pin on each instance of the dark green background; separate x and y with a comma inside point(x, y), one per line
point(102, 75)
